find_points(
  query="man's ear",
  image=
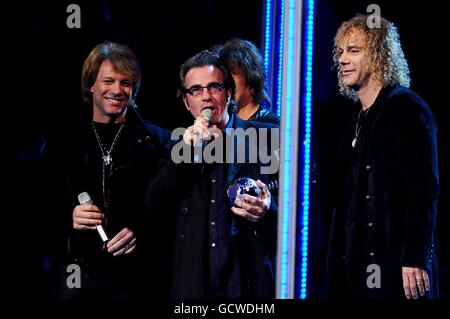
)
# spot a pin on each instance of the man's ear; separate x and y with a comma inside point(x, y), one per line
point(186, 103)
point(229, 96)
point(92, 89)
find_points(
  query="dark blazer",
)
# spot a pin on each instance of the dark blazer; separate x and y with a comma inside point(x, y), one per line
point(388, 212)
point(180, 193)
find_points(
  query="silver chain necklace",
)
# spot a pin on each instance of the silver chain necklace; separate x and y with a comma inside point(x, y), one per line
point(358, 127)
point(107, 159)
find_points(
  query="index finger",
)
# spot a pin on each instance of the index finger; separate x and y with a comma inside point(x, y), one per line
point(88, 207)
point(261, 184)
point(264, 189)
point(89, 214)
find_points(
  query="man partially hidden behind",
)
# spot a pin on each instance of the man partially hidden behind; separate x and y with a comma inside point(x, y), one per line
point(246, 64)
point(383, 239)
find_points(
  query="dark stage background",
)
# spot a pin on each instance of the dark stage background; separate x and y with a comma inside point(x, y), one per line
point(43, 67)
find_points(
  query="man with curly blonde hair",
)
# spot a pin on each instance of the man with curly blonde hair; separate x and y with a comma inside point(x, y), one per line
point(383, 235)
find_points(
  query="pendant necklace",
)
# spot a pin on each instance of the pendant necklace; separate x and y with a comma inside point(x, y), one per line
point(106, 157)
point(358, 126)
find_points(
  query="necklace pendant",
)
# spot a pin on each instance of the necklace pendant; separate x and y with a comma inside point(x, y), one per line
point(354, 142)
point(107, 159)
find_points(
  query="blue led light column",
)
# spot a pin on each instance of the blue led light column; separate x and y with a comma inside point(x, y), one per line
point(288, 54)
point(272, 44)
point(279, 57)
point(302, 272)
point(268, 36)
point(290, 142)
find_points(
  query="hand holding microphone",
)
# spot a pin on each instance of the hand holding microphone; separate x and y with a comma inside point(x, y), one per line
point(88, 216)
point(199, 132)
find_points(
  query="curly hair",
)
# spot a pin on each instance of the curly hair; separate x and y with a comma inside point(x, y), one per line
point(123, 59)
point(384, 52)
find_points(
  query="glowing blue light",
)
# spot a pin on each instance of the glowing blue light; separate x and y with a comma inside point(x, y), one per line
point(268, 37)
point(308, 34)
point(280, 58)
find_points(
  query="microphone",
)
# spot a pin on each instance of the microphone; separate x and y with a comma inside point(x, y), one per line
point(208, 115)
point(84, 198)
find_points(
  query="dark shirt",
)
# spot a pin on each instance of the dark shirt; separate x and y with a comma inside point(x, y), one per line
point(107, 134)
point(223, 262)
point(96, 179)
point(356, 189)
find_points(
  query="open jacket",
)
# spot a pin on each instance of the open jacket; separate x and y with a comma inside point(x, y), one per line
point(77, 163)
point(386, 212)
point(180, 194)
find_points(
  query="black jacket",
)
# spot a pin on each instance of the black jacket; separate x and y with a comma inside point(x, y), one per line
point(179, 193)
point(386, 213)
point(265, 116)
point(77, 167)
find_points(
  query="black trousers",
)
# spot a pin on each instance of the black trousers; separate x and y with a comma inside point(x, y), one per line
point(96, 278)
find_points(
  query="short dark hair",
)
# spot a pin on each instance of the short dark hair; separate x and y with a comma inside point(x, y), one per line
point(206, 58)
point(123, 59)
point(244, 58)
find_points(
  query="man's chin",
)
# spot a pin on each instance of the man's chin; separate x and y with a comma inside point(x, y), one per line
point(117, 109)
point(352, 86)
point(116, 112)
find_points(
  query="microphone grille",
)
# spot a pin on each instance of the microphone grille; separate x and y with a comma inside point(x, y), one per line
point(207, 114)
point(84, 198)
